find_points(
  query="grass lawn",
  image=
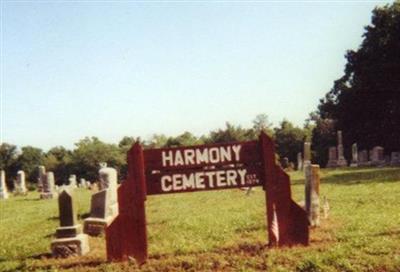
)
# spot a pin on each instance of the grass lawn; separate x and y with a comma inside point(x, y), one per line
point(225, 230)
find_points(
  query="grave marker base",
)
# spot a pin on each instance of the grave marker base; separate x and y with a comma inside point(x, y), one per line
point(68, 247)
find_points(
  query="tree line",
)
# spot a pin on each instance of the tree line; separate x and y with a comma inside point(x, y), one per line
point(84, 159)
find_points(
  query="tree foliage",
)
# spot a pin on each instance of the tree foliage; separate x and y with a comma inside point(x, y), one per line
point(289, 140)
point(365, 101)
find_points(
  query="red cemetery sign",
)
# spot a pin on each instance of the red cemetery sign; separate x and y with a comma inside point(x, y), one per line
point(201, 168)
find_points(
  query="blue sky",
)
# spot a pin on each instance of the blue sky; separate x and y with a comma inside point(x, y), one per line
point(110, 69)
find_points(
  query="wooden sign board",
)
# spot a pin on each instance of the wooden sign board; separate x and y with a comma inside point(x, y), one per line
point(202, 168)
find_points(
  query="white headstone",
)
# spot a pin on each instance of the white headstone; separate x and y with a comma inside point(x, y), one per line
point(20, 186)
point(354, 155)
point(48, 186)
point(41, 178)
point(104, 204)
point(72, 181)
point(3, 185)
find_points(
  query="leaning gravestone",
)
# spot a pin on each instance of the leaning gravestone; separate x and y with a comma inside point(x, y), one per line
point(48, 190)
point(332, 159)
point(395, 159)
point(354, 155)
point(342, 162)
point(312, 194)
point(104, 204)
point(19, 185)
point(70, 241)
point(299, 162)
point(3, 185)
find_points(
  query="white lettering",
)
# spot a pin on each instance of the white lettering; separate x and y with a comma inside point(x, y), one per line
point(231, 176)
point(242, 174)
point(164, 186)
point(178, 158)
point(236, 150)
point(189, 156)
point(213, 155)
point(201, 157)
point(167, 158)
point(225, 154)
point(221, 178)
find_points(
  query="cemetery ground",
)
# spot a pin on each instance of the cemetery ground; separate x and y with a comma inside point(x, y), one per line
point(226, 230)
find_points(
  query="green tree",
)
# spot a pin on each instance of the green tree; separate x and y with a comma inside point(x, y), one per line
point(185, 139)
point(289, 140)
point(89, 152)
point(8, 156)
point(231, 133)
point(29, 160)
point(58, 160)
point(261, 123)
point(365, 101)
point(157, 141)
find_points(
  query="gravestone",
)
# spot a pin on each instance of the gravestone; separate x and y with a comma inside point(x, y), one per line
point(299, 162)
point(395, 159)
point(377, 156)
point(41, 178)
point(104, 204)
point(82, 183)
point(312, 194)
point(48, 190)
point(72, 181)
point(332, 159)
point(354, 155)
point(3, 185)
point(88, 184)
point(363, 158)
point(307, 154)
point(70, 241)
point(19, 185)
point(342, 162)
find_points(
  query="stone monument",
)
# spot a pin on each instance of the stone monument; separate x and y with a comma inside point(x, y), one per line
point(377, 156)
point(342, 162)
point(312, 194)
point(104, 204)
point(354, 155)
point(299, 162)
point(395, 159)
point(70, 241)
point(363, 158)
point(3, 185)
point(19, 185)
point(48, 190)
point(72, 181)
point(332, 159)
point(41, 178)
point(307, 154)
point(82, 183)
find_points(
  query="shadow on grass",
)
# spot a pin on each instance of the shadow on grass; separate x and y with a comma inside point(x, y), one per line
point(353, 176)
point(53, 218)
point(28, 199)
point(83, 216)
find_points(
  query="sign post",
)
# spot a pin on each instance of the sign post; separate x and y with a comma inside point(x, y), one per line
point(202, 168)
